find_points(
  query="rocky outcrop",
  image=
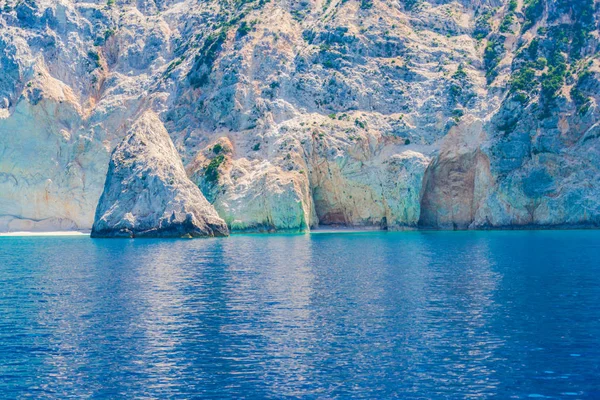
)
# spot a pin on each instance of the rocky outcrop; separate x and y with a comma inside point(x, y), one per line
point(457, 179)
point(298, 177)
point(253, 194)
point(394, 115)
point(148, 194)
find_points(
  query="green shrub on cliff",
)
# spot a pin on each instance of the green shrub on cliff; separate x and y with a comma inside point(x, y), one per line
point(205, 59)
point(211, 173)
point(483, 25)
point(524, 79)
point(532, 9)
point(492, 55)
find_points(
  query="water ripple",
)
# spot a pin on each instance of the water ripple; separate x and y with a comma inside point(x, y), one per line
point(373, 315)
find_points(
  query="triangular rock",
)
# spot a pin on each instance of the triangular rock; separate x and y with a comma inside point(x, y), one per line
point(147, 192)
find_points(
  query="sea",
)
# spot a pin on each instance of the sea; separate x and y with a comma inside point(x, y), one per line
point(324, 315)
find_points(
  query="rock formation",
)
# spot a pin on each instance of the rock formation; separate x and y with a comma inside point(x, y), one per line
point(148, 194)
point(468, 114)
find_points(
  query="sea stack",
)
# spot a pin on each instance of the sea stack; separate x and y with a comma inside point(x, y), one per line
point(147, 192)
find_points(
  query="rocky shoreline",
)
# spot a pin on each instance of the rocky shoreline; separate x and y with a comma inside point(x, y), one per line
point(286, 117)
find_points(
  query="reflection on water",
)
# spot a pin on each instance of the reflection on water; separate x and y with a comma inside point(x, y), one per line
point(373, 315)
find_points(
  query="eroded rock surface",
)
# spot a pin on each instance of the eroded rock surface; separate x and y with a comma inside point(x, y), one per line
point(148, 194)
point(396, 115)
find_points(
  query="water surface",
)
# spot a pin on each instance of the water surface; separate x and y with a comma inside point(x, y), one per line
point(361, 315)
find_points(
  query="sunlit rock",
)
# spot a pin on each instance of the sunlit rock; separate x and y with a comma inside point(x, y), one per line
point(148, 194)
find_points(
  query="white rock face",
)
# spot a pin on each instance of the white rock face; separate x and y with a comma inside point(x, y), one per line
point(457, 179)
point(297, 177)
point(65, 102)
point(44, 179)
point(395, 115)
point(148, 194)
point(253, 195)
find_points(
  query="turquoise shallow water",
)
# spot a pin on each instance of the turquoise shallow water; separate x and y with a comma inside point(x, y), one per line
point(342, 315)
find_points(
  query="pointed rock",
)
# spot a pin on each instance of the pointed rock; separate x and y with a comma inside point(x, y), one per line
point(147, 192)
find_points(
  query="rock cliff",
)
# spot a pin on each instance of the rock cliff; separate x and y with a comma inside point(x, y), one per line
point(467, 114)
point(148, 194)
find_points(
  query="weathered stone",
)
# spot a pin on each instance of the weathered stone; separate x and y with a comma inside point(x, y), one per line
point(333, 112)
point(148, 194)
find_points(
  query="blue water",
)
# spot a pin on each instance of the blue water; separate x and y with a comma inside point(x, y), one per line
point(366, 315)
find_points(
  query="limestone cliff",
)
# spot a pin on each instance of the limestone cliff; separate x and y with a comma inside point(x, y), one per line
point(290, 115)
point(148, 194)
